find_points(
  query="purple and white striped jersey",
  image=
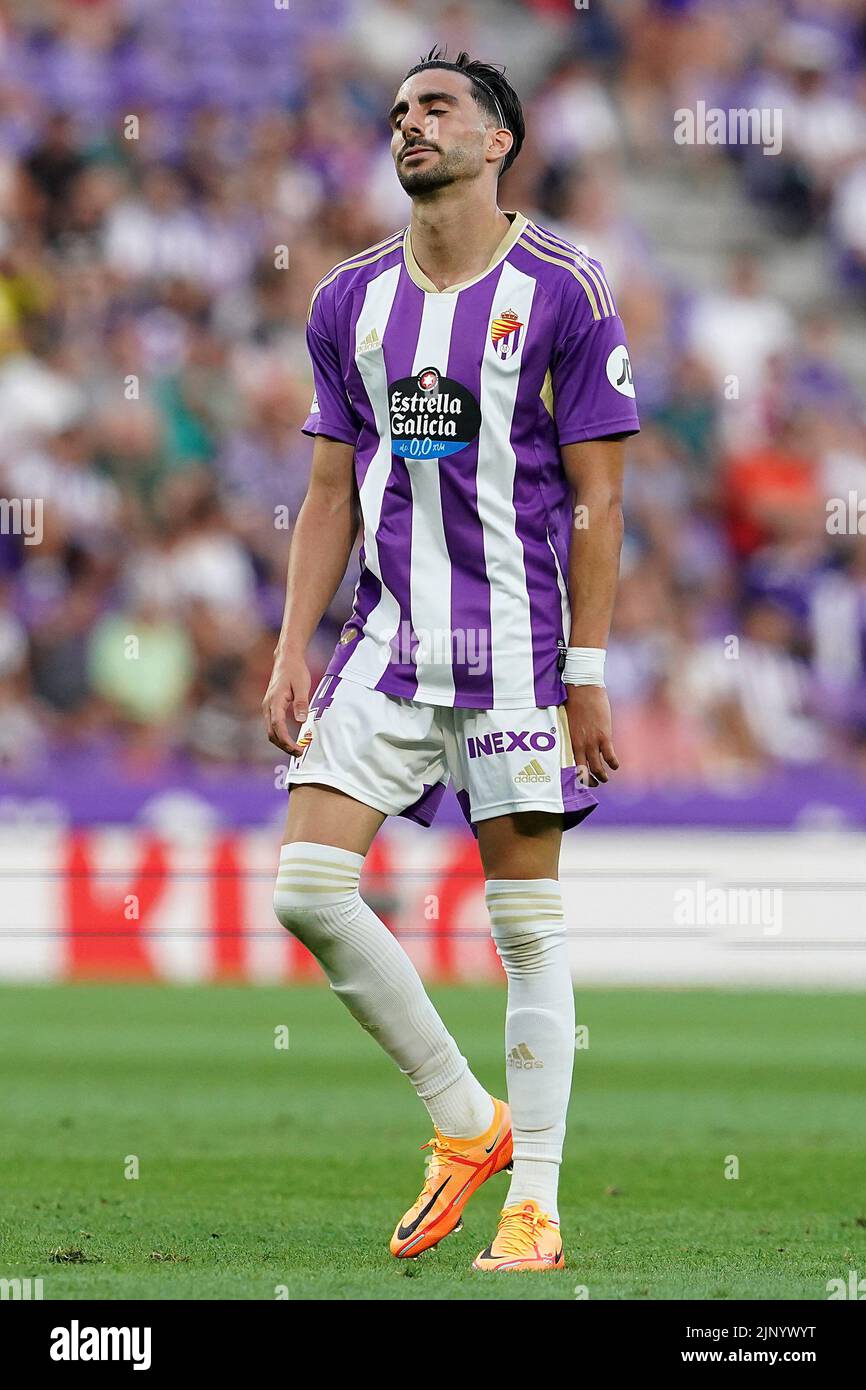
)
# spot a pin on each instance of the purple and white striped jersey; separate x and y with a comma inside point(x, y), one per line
point(457, 403)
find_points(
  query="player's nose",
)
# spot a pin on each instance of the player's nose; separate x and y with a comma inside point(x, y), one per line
point(412, 126)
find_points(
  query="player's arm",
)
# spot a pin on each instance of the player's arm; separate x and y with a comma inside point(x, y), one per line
point(322, 542)
point(595, 471)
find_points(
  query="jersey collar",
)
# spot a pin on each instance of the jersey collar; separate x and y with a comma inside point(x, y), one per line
point(424, 282)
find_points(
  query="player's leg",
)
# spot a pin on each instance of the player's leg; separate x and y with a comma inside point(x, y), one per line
point(385, 750)
point(324, 816)
point(317, 899)
point(516, 781)
point(520, 855)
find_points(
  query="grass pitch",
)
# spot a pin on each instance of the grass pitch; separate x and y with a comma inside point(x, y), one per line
point(263, 1169)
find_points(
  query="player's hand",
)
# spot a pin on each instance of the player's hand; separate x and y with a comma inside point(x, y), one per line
point(287, 695)
point(587, 709)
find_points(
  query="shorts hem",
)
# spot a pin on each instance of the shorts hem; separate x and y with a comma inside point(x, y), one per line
point(340, 784)
point(573, 813)
point(327, 779)
point(500, 808)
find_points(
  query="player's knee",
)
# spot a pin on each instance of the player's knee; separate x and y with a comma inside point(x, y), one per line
point(529, 950)
point(527, 924)
point(315, 885)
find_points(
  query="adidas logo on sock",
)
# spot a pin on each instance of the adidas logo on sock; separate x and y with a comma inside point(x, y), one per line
point(520, 1056)
point(371, 341)
point(533, 772)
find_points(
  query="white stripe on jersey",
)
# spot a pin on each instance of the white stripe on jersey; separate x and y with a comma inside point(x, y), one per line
point(373, 651)
point(430, 573)
point(511, 628)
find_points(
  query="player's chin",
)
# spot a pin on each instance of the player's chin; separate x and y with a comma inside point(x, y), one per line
point(424, 179)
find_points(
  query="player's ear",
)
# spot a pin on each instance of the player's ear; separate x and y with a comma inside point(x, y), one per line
point(501, 142)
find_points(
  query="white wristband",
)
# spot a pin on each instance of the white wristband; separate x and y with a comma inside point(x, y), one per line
point(584, 666)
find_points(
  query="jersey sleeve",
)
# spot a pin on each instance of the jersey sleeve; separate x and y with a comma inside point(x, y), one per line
point(331, 413)
point(591, 374)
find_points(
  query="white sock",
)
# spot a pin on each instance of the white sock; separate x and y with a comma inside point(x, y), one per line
point(529, 933)
point(317, 899)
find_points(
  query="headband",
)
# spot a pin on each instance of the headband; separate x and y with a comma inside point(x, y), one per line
point(490, 92)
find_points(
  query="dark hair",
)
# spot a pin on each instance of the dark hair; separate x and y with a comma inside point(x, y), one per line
point(491, 91)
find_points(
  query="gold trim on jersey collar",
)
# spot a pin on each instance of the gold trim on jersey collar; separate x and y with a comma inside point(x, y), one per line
point(416, 274)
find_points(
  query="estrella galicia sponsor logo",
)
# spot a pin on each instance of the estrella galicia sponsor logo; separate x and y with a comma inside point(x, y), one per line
point(510, 741)
point(619, 372)
point(77, 1343)
point(432, 416)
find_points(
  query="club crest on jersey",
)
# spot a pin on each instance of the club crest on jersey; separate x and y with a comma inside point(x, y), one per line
point(432, 416)
point(505, 334)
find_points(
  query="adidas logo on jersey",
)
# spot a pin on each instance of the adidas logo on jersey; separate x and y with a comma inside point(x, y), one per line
point(371, 341)
point(532, 773)
point(520, 1056)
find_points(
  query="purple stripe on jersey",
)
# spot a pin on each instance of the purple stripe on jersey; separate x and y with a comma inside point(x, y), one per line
point(423, 811)
point(394, 534)
point(471, 633)
point(545, 614)
point(577, 800)
point(369, 443)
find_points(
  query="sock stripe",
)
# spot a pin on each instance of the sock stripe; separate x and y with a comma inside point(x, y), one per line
point(516, 898)
point(308, 876)
point(310, 867)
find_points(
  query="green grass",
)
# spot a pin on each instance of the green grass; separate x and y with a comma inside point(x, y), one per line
point(261, 1167)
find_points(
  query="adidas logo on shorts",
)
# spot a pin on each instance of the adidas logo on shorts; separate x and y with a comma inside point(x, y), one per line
point(533, 772)
point(520, 1056)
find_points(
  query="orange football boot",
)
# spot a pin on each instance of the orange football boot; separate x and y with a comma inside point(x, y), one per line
point(527, 1239)
point(455, 1169)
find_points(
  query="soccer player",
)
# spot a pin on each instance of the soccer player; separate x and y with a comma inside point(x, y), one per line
point(473, 390)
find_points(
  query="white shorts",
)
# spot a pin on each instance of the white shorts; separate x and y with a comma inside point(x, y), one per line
point(399, 756)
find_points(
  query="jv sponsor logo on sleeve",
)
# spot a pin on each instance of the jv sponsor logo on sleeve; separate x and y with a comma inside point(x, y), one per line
point(619, 372)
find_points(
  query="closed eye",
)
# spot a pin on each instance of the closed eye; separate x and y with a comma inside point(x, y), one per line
point(437, 111)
